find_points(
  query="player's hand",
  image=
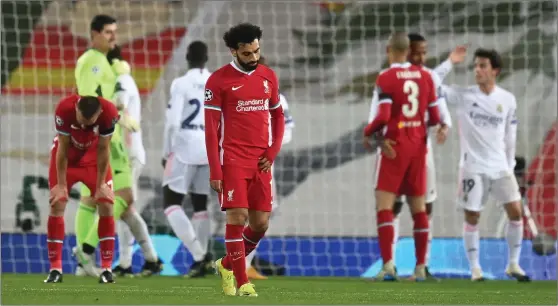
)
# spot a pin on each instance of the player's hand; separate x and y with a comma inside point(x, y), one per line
point(442, 134)
point(216, 185)
point(458, 54)
point(387, 148)
point(58, 193)
point(104, 194)
point(264, 164)
point(129, 123)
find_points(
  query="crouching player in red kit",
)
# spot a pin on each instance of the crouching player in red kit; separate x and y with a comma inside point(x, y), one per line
point(244, 126)
point(80, 153)
point(405, 94)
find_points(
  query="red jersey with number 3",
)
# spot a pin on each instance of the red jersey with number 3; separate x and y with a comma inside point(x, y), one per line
point(410, 91)
point(83, 139)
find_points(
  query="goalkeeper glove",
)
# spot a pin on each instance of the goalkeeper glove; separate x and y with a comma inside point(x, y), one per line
point(129, 123)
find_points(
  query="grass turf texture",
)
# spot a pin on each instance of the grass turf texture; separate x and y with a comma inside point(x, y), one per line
point(30, 289)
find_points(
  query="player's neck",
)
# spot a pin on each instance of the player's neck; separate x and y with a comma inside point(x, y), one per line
point(398, 60)
point(487, 88)
point(93, 46)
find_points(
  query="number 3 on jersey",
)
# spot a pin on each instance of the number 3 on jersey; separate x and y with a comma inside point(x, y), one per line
point(411, 89)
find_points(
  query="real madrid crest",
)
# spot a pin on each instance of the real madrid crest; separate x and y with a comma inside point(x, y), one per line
point(499, 108)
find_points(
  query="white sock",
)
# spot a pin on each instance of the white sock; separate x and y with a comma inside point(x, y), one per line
point(184, 230)
point(202, 226)
point(427, 258)
point(395, 238)
point(514, 236)
point(125, 245)
point(250, 258)
point(138, 227)
point(471, 242)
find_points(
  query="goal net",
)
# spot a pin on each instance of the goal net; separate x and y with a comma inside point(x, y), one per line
point(327, 56)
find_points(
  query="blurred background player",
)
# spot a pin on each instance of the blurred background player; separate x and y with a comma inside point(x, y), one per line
point(80, 153)
point(241, 102)
point(487, 129)
point(185, 159)
point(132, 225)
point(417, 56)
point(406, 94)
point(96, 77)
point(287, 137)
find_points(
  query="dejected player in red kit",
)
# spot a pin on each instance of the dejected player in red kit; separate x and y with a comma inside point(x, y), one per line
point(406, 93)
point(244, 126)
point(80, 153)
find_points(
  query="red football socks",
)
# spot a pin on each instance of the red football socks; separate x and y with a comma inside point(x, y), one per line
point(251, 239)
point(420, 233)
point(55, 241)
point(384, 219)
point(106, 240)
point(235, 259)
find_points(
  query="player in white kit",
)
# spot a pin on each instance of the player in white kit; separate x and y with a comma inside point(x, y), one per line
point(287, 137)
point(185, 159)
point(127, 98)
point(417, 56)
point(487, 124)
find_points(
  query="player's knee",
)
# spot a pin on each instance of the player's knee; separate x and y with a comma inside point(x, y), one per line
point(513, 210)
point(104, 209)
point(199, 202)
point(397, 208)
point(171, 198)
point(472, 217)
point(126, 194)
point(429, 209)
point(237, 216)
point(258, 220)
point(57, 209)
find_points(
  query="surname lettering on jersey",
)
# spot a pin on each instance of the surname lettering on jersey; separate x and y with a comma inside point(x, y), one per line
point(407, 74)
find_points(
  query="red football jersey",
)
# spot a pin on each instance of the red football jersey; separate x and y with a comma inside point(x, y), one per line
point(83, 139)
point(245, 100)
point(410, 91)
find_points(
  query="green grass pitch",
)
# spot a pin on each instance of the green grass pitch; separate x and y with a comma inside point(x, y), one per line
point(24, 289)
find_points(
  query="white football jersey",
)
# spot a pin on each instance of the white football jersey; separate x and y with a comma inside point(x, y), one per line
point(127, 94)
point(487, 129)
point(184, 127)
point(289, 121)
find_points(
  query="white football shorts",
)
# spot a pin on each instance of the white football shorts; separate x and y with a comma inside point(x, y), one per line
point(185, 178)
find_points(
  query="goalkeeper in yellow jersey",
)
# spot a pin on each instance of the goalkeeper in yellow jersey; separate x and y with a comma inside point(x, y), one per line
point(95, 76)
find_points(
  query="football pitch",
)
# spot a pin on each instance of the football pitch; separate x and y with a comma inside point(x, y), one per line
point(23, 289)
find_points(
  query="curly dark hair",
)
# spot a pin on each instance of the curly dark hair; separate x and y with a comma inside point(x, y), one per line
point(243, 33)
point(492, 55)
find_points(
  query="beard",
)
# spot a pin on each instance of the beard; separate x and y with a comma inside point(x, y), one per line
point(247, 66)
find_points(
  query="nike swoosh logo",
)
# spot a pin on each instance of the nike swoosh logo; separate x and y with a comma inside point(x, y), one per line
point(235, 88)
point(235, 259)
point(117, 172)
point(74, 127)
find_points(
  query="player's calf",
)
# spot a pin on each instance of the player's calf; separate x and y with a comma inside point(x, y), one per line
point(514, 237)
point(55, 238)
point(106, 233)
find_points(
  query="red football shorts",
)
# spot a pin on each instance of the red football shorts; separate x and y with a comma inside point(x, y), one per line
point(403, 175)
point(246, 188)
point(84, 174)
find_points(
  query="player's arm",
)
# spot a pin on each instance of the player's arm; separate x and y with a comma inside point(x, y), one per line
point(88, 78)
point(289, 121)
point(511, 134)
point(106, 129)
point(63, 129)
point(172, 119)
point(373, 105)
point(277, 121)
point(433, 110)
point(455, 57)
point(383, 113)
point(445, 116)
point(212, 112)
